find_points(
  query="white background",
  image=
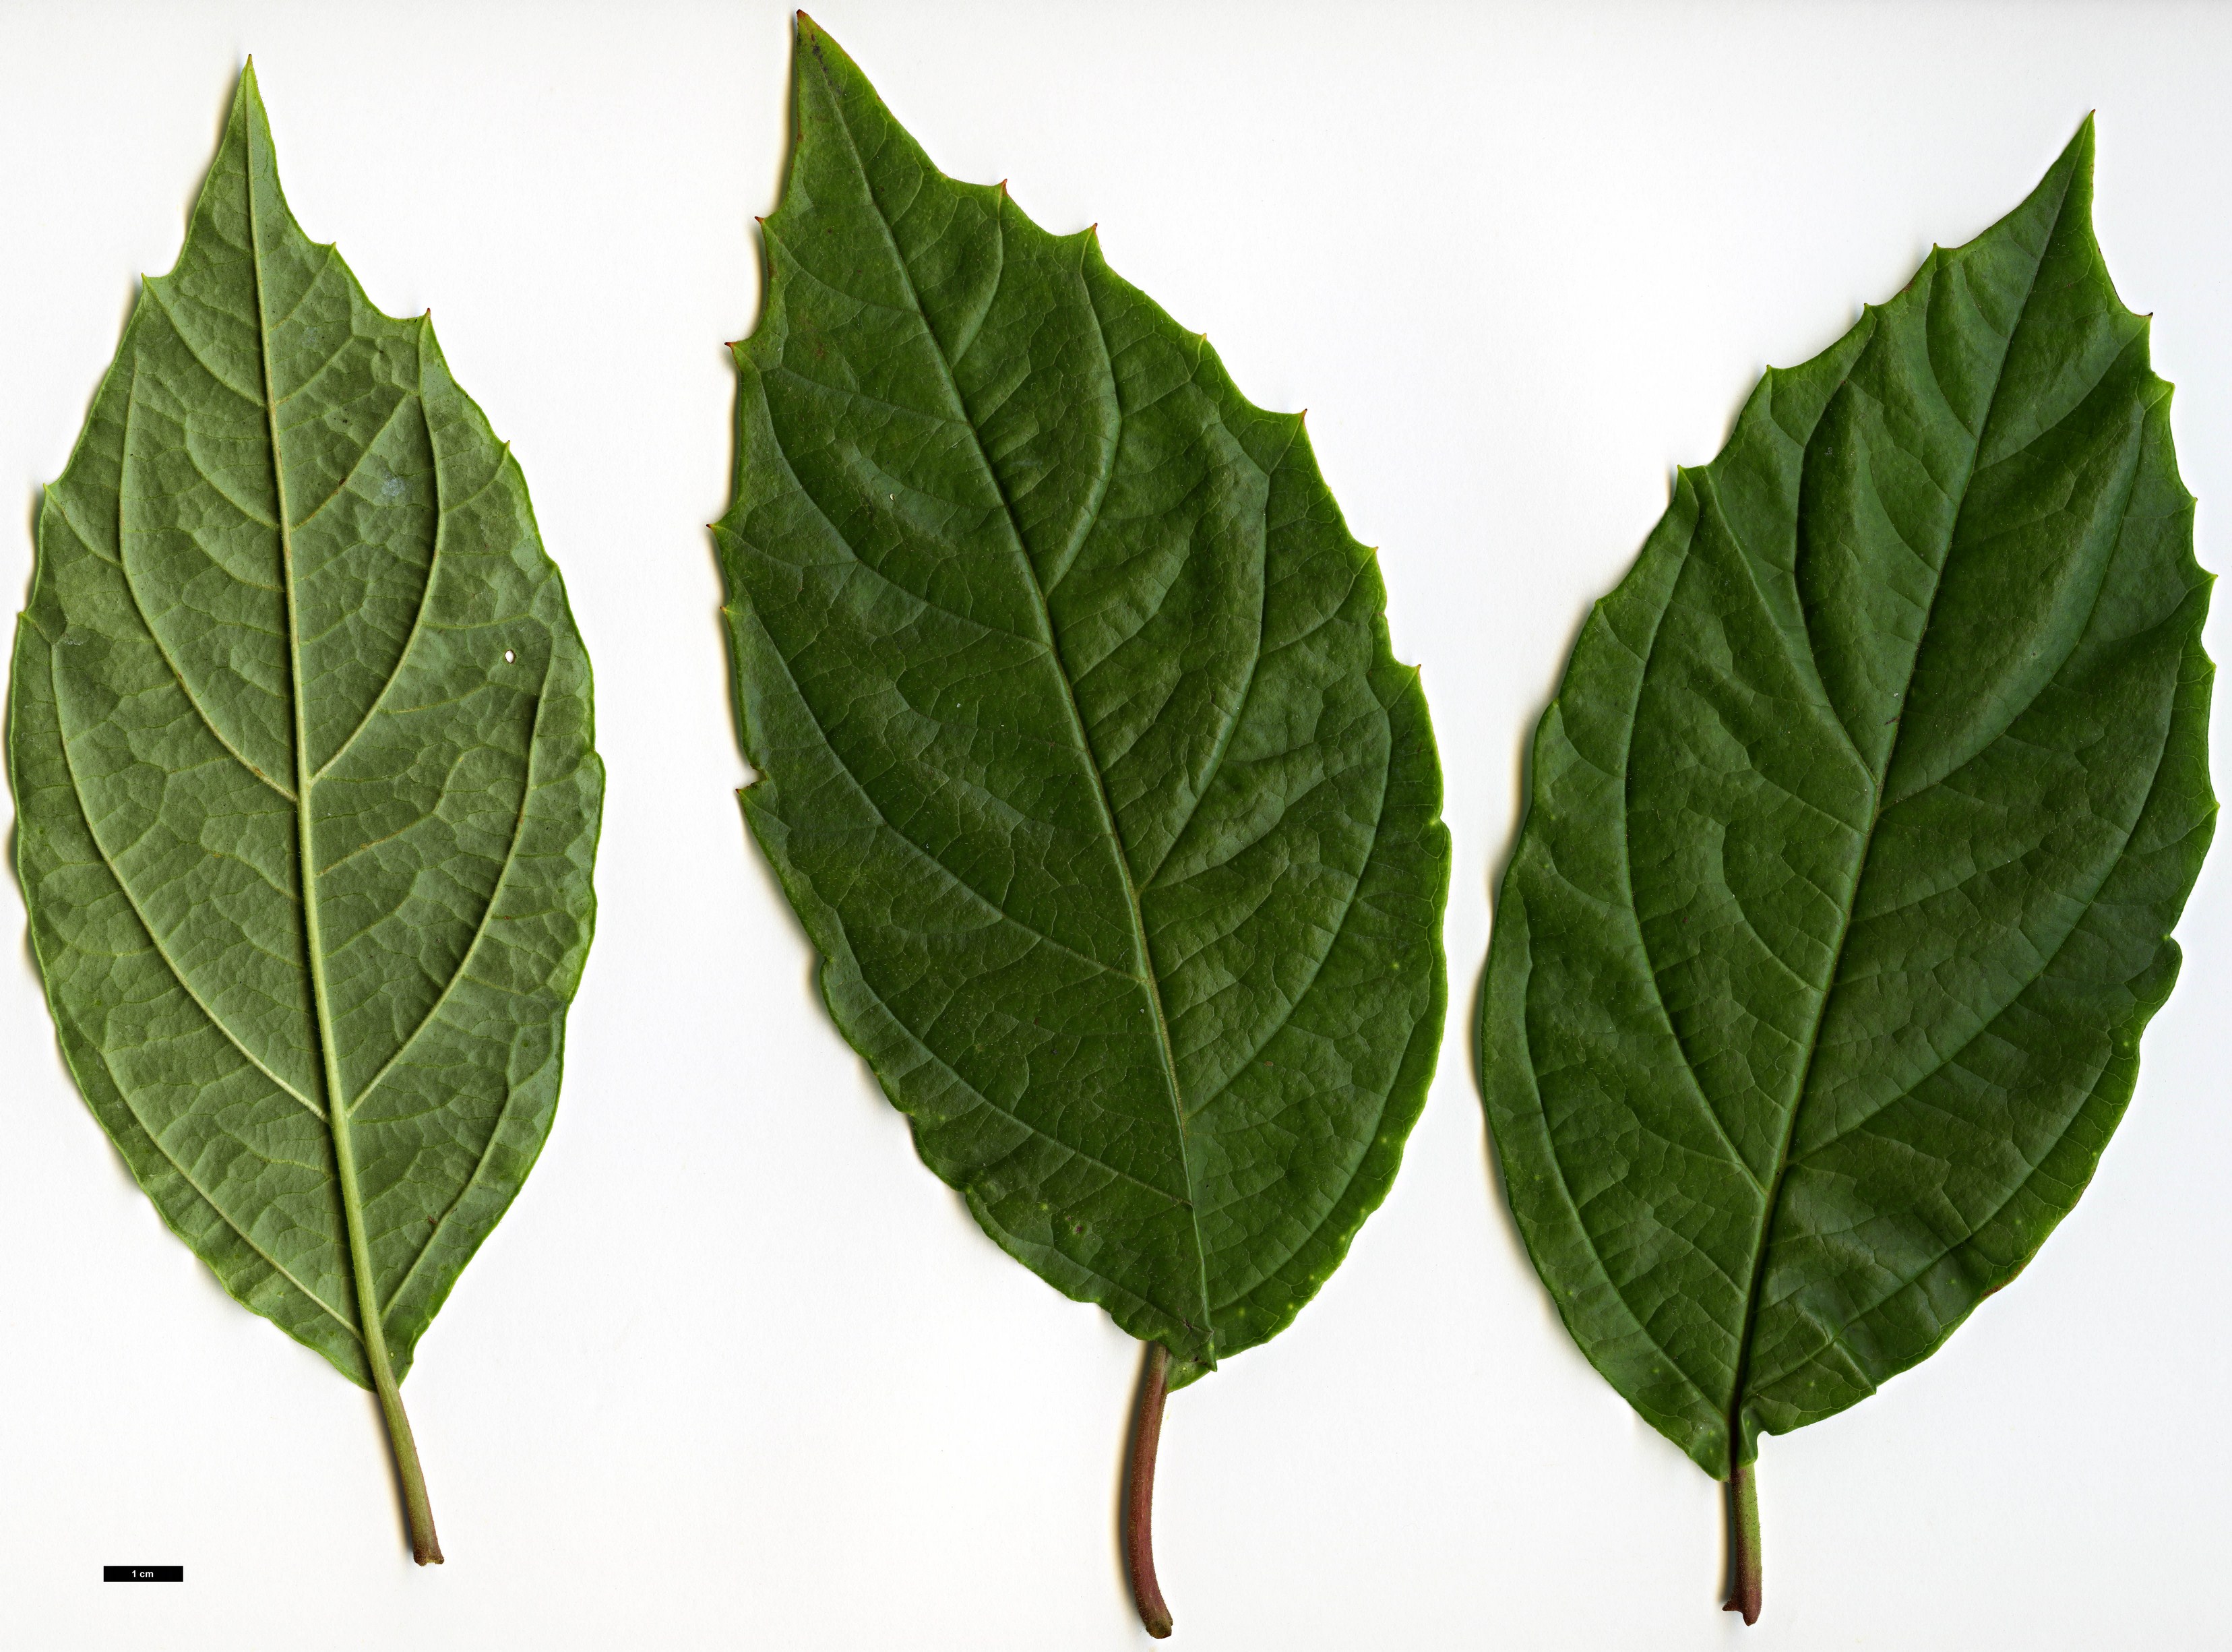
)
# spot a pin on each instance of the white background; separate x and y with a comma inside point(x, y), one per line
point(737, 1372)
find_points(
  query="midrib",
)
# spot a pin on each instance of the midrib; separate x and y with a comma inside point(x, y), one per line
point(1145, 968)
point(369, 1327)
point(1773, 1200)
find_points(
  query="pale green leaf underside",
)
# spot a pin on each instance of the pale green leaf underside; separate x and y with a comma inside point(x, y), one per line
point(1859, 824)
point(272, 459)
point(1083, 755)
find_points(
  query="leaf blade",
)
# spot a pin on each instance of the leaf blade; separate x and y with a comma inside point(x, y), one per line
point(1866, 810)
point(1020, 746)
point(157, 721)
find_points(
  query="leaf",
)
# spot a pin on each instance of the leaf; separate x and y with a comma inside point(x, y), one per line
point(1859, 827)
point(1082, 756)
point(300, 736)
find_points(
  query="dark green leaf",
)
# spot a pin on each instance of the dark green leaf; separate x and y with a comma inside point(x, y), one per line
point(1859, 827)
point(1082, 755)
point(300, 734)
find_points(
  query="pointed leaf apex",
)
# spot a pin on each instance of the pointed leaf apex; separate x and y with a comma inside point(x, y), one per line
point(2079, 150)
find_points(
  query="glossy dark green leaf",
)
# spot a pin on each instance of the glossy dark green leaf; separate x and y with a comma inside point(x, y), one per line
point(1082, 755)
point(1858, 827)
point(300, 735)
